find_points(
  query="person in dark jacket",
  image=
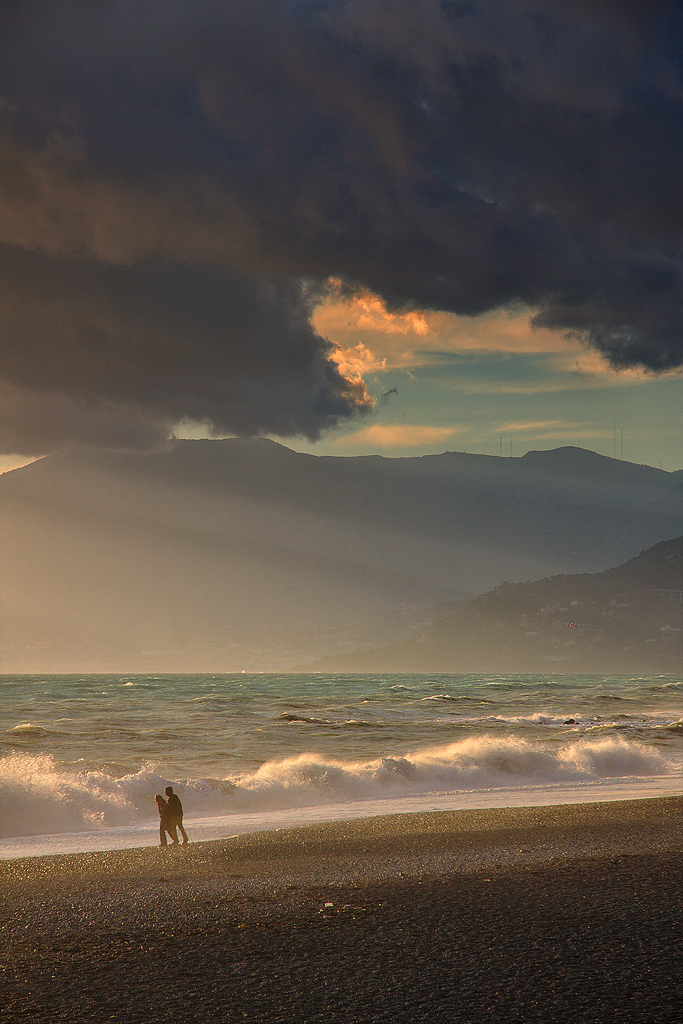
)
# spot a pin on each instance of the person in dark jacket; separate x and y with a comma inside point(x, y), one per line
point(165, 822)
point(176, 809)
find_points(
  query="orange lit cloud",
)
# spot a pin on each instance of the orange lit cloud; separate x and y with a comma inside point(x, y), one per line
point(366, 311)
point(10, 462)
point(354, 362)
point(397, 435)
point(361, 327)
point(555, 430)
point(540, 425)
point(368, 338)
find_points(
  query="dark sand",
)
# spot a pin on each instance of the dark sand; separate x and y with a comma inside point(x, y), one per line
point(545, 914)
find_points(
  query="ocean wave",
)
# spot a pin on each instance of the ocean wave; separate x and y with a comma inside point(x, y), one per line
point(28, 731)
point(576, 720)
point(329, 723)
point(288, 716)
point(38, 797)
point(470, 698)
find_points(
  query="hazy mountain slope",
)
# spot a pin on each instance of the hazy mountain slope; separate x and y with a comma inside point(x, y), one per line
point(222, 555)
point(626, 619)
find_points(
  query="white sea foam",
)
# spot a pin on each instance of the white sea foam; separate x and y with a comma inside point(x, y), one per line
point(37, 797)
point(577, 720)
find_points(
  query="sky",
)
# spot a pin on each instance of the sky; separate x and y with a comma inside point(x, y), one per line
point(356, 226)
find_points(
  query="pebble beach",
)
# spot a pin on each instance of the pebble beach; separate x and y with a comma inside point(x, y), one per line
point(556, 913)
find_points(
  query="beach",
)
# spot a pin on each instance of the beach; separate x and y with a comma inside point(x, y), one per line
point(555, 913)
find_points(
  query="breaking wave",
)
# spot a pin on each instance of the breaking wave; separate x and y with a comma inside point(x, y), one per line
point(38, 797)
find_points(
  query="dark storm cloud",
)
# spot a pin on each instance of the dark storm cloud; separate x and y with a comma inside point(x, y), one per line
point(172, 339)
point(175, 171)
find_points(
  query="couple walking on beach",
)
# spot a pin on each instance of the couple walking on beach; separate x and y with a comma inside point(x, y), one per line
point(171, 817)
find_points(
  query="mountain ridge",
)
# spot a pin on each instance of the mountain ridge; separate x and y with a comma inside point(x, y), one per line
point(625, 619)
point(243, 554)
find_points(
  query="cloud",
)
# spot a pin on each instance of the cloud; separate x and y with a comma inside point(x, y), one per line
point(389, 341)
point(182, 180)
point(521, 372)
point(35, 423)
point(539, 425)
point(595, 434)
point(397, 435)
point(356, 361)
point(555, 430)
point(10, 462)
point(114, 355)
point(361, 310)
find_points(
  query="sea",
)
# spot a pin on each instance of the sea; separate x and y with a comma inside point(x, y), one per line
point(82, 756)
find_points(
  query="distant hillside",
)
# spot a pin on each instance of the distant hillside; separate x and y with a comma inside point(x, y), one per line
point(626, 619)
point(237, 554)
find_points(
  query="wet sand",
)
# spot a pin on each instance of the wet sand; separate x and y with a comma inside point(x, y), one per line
point(562, 913)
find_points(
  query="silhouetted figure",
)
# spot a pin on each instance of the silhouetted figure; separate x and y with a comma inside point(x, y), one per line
point(165, 822)
point(176, 809)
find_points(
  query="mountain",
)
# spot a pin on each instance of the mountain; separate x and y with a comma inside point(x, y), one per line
point(242, 554)
point(626, 619)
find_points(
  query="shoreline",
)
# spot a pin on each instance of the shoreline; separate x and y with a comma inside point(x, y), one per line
point(221, 826)
point(404, 918)
point(423, 841)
